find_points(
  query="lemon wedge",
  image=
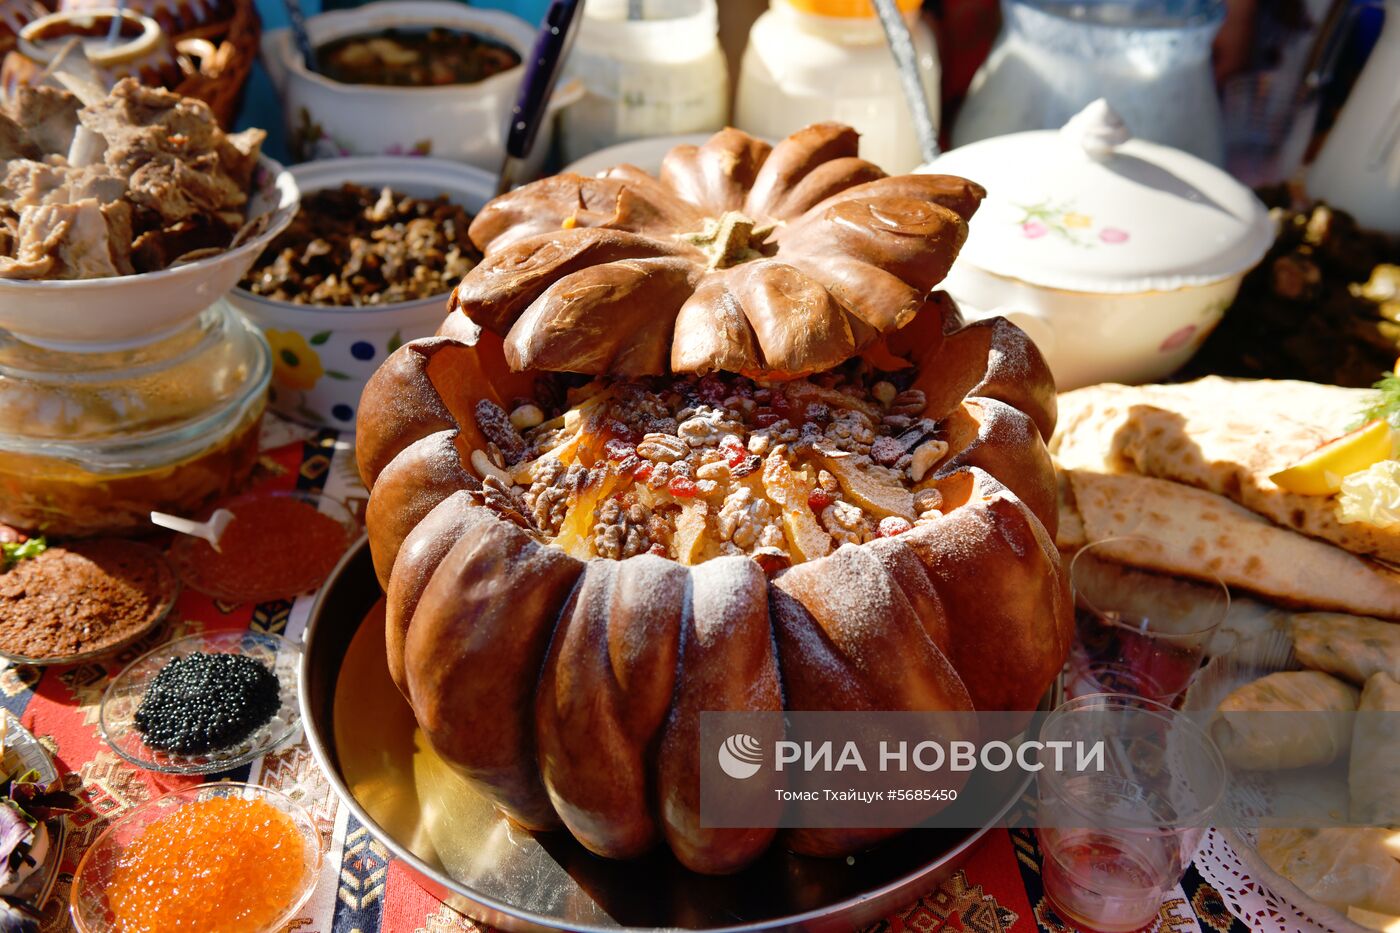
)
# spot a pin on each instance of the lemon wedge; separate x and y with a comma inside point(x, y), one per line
point(1321, 472)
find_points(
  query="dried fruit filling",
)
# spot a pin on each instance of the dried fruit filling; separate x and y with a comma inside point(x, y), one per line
point(220, 865)
point(693, 469)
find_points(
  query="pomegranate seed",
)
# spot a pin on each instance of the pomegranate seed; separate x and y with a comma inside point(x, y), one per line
point(682, 487)
point(819, 499)
point(642, 472)
point(749, 464)
point(735, 455)
point(617, 449)
point(892, 525)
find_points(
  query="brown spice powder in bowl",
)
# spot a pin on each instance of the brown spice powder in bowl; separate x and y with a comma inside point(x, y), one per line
point(73, 602)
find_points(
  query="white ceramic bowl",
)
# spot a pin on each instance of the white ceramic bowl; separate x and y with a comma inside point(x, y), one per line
point(323, 355)
point(646, 154)
point(1093, 337)
point(463, 122)
point(123, 311)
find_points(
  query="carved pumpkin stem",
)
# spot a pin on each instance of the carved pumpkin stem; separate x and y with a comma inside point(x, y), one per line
point(730, 239)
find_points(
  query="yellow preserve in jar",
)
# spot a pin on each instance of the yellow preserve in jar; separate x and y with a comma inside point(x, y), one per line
point(91, 443)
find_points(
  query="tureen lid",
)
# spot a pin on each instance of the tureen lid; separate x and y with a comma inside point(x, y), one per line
point(1089, 208)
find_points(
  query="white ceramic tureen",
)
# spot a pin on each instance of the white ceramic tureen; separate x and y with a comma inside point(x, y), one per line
point(1118, 256)
point(462, 122)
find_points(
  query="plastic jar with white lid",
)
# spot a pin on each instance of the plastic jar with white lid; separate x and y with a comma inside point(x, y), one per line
point(810, 61)
point(660, 75)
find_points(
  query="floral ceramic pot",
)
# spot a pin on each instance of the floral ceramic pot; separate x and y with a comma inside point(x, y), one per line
point(463, 122)
point(322, 355)
point(1116, 255)
point(322, 358)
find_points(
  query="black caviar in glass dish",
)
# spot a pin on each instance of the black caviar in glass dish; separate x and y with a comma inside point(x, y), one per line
point(202, 702)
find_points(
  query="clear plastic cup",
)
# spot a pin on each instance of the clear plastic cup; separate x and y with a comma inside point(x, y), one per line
point(1115, 842)
point(1138, 632)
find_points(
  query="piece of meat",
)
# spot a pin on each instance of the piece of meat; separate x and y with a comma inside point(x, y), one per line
point(118, 215)
point(14, 142)
point(27, 183)
point(47, 115)
point(154, 179)
point(61, 241)
point(178, 162)
point(180, 189)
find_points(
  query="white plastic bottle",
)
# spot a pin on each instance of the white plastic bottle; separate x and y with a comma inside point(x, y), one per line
point(809, 61)
point(660, 75)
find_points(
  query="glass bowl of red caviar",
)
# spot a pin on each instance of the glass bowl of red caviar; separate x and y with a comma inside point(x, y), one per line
point(279, 544)
point(219, 858)
point(118, 713)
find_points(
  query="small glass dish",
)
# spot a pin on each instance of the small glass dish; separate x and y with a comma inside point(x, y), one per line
point(188, 552)
point(89, 906)
point(156, 620)
point(117, 714)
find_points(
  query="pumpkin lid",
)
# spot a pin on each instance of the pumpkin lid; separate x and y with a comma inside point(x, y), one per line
point(1103, 212)
point(768, 261)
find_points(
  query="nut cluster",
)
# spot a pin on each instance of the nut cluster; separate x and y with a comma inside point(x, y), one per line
point(658, 448)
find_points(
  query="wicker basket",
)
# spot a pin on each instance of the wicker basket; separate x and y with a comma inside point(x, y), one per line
point(219, 58)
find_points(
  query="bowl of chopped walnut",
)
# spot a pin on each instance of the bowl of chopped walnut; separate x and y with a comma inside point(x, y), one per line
point(366, 265)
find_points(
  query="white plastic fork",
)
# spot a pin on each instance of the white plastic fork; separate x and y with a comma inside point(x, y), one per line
point(210, 531)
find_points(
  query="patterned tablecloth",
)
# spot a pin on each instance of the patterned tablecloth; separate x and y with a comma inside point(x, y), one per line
point(362, 888)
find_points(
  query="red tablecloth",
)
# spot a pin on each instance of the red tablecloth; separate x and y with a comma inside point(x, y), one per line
point(362, 889)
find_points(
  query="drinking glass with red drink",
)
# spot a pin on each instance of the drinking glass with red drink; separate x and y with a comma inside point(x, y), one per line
point(1116, 841)
point(1139, 632)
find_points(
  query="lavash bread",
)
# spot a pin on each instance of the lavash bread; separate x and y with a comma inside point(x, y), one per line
point(1225, 436)
point(1199, 532)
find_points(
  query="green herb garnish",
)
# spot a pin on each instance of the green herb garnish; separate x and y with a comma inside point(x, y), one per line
point(15, 551)
point(1387, 403)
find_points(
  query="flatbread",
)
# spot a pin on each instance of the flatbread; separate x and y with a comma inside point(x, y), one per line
point(1339, 866)
point(1350, 647)
point(1198, 533)
point(1069, 536)
point(1225, 436)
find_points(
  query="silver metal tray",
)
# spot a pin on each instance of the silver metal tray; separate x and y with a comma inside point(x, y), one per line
point(365, 739)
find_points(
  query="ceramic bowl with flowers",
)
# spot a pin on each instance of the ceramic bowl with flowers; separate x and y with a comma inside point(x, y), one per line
point(331, 311)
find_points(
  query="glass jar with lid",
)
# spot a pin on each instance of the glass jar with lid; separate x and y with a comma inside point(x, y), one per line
point(91, 443)
point(649, 68)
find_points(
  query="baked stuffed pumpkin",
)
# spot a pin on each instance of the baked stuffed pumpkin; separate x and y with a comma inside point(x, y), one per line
point(707, 441)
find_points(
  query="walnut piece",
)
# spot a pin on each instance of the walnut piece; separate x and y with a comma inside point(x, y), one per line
point(665, 448)
point(747, 520)
point(620, 529)
point(846, 523)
